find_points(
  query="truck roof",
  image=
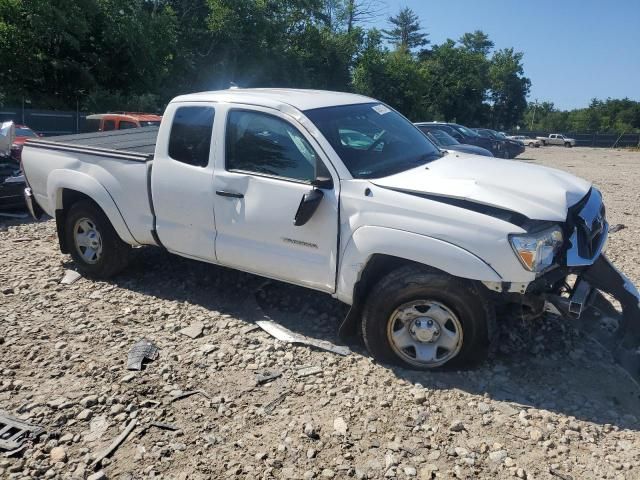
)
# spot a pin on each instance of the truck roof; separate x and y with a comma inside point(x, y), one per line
point(301, 99)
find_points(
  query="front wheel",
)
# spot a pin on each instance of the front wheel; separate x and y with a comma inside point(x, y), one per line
point(95, 247)
point(567, 145)
point(425, 320)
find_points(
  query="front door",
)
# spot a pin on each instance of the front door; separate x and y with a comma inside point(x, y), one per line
point(265, 167)
point(181, 181)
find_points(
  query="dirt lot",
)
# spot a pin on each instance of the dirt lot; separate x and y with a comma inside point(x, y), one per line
point(549, 404)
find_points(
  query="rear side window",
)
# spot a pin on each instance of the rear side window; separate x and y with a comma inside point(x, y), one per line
point(124, 125)
point(190, 138)
point(91, 125)
point(109, 125)
point(261, 143)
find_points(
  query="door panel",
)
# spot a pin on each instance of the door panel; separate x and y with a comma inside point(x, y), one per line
point(255, 229)
point(182, 182)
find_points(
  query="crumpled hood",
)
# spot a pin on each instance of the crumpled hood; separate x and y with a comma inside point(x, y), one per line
point(539, 193)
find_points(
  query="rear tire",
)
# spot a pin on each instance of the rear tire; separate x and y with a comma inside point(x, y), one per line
point(412, 313)
point(94, 245)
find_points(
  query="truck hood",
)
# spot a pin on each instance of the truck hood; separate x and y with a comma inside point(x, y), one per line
point(539, 193)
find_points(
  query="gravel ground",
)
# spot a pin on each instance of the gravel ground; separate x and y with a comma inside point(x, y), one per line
point(549, 404)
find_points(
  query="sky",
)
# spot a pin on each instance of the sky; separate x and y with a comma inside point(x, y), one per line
point(574, 50)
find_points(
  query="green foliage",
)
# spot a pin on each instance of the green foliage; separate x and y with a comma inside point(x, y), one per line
point(608, 116)
point(138, 54)
point(406, 32)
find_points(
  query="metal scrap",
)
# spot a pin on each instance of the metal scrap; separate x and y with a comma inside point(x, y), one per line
point(116, 443)
point(617, 227)
point(70, 276)
point(160, 425)
point(190, 393)
point(271, 406)
point(144, 349)
point(560, 475)
point(285, 335)
point(266, 377)
point(14, 432)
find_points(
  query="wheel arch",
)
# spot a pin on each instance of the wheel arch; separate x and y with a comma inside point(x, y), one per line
point(373, 252)
point(65, 188)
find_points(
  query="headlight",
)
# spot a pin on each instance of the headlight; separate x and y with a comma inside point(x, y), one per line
point(537, 251)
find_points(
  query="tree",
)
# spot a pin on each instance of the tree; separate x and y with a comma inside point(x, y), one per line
point(508, 88)
point(361, 12)
point(406, 32)
point(477, 42)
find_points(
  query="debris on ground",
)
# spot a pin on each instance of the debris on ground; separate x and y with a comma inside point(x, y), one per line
point(617, 227)
point(70, 277)
point(286, 335)
point(306, 371)
point(141, 351)
point(116, 443)
point(190, 393)
point(271, 406)
point(266, 377)
point(14, 432)
point(160, 425)
point(193, 331)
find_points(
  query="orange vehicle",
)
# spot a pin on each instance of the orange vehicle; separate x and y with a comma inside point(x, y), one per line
point(103, 122)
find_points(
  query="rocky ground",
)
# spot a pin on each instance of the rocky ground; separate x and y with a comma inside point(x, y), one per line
point(549, 404)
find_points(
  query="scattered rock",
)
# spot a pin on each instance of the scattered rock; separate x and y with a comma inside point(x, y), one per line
point(193, 331)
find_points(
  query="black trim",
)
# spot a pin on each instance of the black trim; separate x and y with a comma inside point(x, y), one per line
point(100, 152)
point(223, 193)
point(504, 214)
point(154, 231)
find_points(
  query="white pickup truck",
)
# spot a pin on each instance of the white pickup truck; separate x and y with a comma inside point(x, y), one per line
point(557, 139)
point(339, 193)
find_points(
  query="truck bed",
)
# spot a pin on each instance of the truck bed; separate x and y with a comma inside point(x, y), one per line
point(136, 144)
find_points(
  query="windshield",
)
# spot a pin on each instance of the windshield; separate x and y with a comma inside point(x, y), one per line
point(372, 140)
point(465, 131)
point(25, 132)
point(442, 138)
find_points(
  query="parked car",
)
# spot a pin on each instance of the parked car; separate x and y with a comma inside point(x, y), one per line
point(22, 133)
point(7, 135)
point(104, 122)
point(531, 142)
point(557, 139)
point(506, 147)
point(464, 135)
point(445, 141)
point(423, 246)
point(12, 187)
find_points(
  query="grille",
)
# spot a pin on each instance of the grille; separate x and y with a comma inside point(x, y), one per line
point(590, 225)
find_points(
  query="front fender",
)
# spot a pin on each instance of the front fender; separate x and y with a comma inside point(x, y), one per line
point(370, 240)
point(59, 180)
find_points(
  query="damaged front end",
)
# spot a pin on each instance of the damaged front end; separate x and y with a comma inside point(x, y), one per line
point(587, 230)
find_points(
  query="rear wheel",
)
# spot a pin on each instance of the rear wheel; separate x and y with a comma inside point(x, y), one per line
point(93, 243)
point(531, 144)
point(425, 320)
point(505, 153)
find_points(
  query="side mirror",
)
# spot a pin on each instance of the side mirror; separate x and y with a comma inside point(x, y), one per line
point(325, 183)
point(308, 206)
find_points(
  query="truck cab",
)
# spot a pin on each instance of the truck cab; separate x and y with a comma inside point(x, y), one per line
point(104, 122)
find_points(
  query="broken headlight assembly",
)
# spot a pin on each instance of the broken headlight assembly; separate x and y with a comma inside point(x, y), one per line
point(537, 250)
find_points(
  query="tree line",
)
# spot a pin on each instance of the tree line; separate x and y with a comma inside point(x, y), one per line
point(601, 116)
point(101, 55)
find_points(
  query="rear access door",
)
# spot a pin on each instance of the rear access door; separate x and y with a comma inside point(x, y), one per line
point(182, 181)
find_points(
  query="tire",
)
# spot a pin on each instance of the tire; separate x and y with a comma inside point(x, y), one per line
point(98, 252)
point(531, 145)
point(463, 307)
point(505, 154)
point(567, 145)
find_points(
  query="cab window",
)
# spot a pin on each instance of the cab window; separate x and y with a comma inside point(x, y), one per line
point(261, 143)
point(108, 125)
point(190, 137)
point(125, 124)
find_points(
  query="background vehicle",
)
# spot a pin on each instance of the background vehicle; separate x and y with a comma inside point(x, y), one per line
point(506, 147)
point(339, 193)
point(528, 141)
point(7, 135)
point(557, 139)
point(22, 133)
point(464, 135)
point(103, 122)
point(447, 142)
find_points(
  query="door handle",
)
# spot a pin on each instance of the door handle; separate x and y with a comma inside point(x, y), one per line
point(223, 193)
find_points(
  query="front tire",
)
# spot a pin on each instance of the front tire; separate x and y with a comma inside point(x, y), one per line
point(95, 247)
point(567, 145)
point(425, 320)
